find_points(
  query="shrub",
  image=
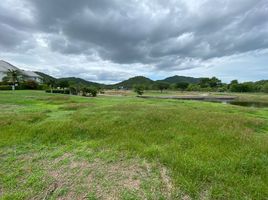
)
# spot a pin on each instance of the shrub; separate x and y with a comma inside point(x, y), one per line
point(92, 91)
point(181, 86)
point(56, 91)
point(193, 87)
point(63, 84)
point(3, 83)
point(265, 88)
point(139, 89)
point(160, 85)
point(5, 87)
point(73, 90)
point(29, 84)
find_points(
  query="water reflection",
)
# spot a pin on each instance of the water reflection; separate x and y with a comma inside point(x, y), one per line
point(252, 104)
point(248, 104)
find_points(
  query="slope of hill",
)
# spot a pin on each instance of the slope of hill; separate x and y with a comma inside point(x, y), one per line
point(133, 81)
point(46, 77)
point(179, 79)
point(71, 80)
point(74, 80)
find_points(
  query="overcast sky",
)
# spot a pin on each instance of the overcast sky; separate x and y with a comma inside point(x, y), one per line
point(111, 40)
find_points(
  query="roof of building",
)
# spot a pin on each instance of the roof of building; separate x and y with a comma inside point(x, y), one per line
point(5, 66)
point(30, 74)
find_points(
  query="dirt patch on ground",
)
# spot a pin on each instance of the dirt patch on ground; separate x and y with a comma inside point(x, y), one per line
point(117, 93)
point(74, 178)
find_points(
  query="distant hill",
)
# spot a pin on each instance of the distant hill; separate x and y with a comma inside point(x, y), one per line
point(179, 79)
point(126, 84)
point(71, 80)
point(133, 81)
point(74, 80)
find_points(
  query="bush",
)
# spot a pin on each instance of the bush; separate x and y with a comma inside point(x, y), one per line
point(73, 90)
point(5, 87)
point(265, 88)
point(29, 84)
point(63, 84)
point(193, 87)
point(3, 83)
point(182, 86)
point(56, 91)
point(222, 89)
point(139, 89)
point(92, 91)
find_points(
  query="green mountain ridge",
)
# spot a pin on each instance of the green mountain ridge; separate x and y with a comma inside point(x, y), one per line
point(129, 83)
point(180, 79)
point(80, 81)
point(134, 81)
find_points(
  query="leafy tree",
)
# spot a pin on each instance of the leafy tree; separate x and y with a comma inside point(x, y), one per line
point(204, 82)
point(223, 88)
point(30, 84)
point(51, 83)
point(182, 85)
point(235, 88)
point(139, 89)
point(242, 87)
point(210, 82)
point(193, 87)
point(73, 90)
point(265, 88)
point(162, 86)
point(63, 84)
point(5, 79)
point(214, 82)
point(234, 82)
point(93, 91)
point(89, 90)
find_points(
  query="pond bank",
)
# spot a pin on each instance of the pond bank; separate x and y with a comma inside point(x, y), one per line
point(198, 98)
point(233, 100)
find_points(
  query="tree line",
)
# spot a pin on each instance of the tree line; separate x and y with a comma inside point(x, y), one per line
point(206, 85)
point(15, 80)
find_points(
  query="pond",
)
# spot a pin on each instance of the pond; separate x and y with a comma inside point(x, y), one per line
point(252, 104)
point(216, 99)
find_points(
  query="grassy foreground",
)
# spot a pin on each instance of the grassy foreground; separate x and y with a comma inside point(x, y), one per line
point(69, 147)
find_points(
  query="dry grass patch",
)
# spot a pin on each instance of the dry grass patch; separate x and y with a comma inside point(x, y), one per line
point(118, 92)
point(70, 176)
point(9, 107)
point(22, 117)
point(76, 178)
point(56, 99)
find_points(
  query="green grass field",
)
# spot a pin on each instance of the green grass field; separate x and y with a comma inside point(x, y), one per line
point(70, 147)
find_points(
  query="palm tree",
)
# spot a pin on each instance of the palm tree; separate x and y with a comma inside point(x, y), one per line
point(13, 76)
point(51, 83)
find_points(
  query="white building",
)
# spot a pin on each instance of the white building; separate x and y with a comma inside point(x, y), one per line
point(26, 75)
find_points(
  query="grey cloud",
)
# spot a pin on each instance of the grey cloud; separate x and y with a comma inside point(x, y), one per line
point(166, 34)
point(11, 38)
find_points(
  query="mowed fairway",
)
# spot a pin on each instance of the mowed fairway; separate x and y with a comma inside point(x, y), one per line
point(70, 147)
